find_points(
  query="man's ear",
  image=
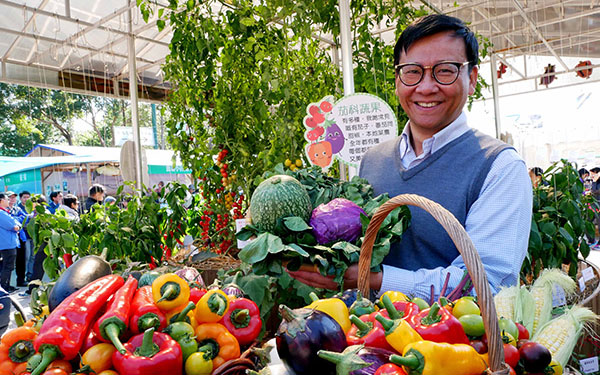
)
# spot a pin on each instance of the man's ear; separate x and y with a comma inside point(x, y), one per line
point(473, 80)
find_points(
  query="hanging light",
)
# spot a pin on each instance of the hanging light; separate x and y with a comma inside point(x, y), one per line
point(548, 77)
point(584, 73)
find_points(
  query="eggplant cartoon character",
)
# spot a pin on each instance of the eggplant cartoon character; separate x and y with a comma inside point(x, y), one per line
point(335, 136)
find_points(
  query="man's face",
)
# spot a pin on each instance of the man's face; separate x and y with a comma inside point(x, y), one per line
point(24, 198)
point(58, 199)
point(4, 202)
point(431, 106)
point(12, 200)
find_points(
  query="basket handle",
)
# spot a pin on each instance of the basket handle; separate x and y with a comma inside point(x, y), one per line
point(465, 247)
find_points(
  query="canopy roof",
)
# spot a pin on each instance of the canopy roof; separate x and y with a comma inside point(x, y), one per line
point(81, 45)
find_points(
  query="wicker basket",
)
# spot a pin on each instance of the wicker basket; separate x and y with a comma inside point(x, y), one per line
point(471, 259)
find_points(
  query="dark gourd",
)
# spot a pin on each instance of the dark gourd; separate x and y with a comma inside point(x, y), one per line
point(81, 273)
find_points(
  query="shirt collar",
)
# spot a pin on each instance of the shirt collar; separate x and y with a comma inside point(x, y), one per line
point(456, 128)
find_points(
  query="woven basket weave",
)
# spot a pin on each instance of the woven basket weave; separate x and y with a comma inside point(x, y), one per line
point(469, 254)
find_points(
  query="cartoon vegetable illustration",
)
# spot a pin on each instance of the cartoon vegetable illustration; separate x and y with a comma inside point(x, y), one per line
point(320, 153)
point(334, 135)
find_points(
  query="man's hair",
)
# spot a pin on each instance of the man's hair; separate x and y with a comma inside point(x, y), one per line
point(583, 171)
point(434, 24)
point(96, 188)
point(537, 171)
point(24, 192)
point(41, 199)
point(69, 199)
point(2, 196)
point(54, 194)
point(595, 170)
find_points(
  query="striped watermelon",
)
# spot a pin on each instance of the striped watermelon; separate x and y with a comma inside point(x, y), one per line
point(278, 197)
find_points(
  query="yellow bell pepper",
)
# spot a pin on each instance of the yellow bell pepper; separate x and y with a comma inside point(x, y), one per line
point(170, 291)
point(395, 296)
point(212, 306)
point(334, 307)
point(183, 313)
point(433, 358)
point(217, 342)
point(398, 333)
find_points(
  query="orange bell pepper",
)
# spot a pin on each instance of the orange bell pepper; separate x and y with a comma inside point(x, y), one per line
point(226, 348)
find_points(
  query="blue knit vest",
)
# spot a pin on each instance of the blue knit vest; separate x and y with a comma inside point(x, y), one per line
point(452, 176)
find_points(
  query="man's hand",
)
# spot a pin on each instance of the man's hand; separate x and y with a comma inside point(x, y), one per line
point(315, 279)
point(17, 228)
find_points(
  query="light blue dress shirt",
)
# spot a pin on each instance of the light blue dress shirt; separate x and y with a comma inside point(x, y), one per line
point(498, 222)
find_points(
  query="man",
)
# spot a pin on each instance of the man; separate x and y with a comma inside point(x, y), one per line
point(56, 198)
point(19, 212)
point(95, 196)
point(440, 157)
point(9, 241)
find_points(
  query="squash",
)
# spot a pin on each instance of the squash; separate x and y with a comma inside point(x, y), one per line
point(278, 197)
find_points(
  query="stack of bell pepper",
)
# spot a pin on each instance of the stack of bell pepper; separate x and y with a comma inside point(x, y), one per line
point(112, 327)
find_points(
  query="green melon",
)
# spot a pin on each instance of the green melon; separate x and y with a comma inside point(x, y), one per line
point(278, 197)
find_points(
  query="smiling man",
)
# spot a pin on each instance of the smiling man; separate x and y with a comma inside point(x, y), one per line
point(480, 179)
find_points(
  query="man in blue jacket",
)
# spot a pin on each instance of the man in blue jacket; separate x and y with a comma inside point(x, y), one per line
point(9, 241)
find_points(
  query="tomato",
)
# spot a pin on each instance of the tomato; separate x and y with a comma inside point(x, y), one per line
point(420, 302)
point(108, 372)
point(389, 369)
point(178, 330)
point(508, 339)
point(535, 357)
point(465, 306)
point(288, 162)
point(472, 324)
point(61, 363)
point(99, 357)
point(188, 346)
point(198, 364)
point(511, 355)
point(479, 346)
point(554, 368)
point(505, 324)
point(523, 332)
point(55, 371)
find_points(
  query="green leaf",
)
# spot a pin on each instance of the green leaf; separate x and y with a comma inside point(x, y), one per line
point(297, 249)
point(55, 238)
point(346, 247)
point(296, 224)
point(260, 247)
point(566, 235)
point(68, 240)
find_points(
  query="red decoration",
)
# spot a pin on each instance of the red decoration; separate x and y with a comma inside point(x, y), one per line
point(549, 78)
point(584, 73)
point(501, 70)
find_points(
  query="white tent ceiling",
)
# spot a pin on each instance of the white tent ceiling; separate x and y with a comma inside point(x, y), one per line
point(81, 45)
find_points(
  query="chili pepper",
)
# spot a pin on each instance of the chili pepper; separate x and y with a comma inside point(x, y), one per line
point(398, 333)
point(334, 307)
point(149, 353)
point(112, 325)
point(389, 369)
point(68, 259)
point(433, 358)
point(361, 306)
point(368, 331)
point(65, 329)
point(439, 325)
point(243, 320)
point(217, 342)
point(170, 291)
point(212, 306)
point(145, 313)
point(17, 345)
point(196, 293)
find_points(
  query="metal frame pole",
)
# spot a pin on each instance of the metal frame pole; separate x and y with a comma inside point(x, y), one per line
point(347, 69)
point(495, 94)
point(133, 95)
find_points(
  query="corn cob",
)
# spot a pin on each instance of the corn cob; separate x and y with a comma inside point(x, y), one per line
point(541, 291)
point(505, 302)
point(560, 335)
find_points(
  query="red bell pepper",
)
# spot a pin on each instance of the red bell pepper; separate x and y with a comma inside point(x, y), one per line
point(145, 313)
point(65, 329)
point(112, 325)
point(368, 331)
point(196, 293)
point(68, 259)
point(243, 320)
point(439, 325)
point(149, 353)
point(402, 309)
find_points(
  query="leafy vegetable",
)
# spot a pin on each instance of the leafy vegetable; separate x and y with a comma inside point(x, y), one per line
point(295, 243)
point(336, 220)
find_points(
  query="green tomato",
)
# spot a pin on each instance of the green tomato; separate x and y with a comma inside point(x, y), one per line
point(508, 326)
point(188, 346)
point(472, 324)
point(198, 364)
point(465, 306)
point(420, 302)
point(178, 330)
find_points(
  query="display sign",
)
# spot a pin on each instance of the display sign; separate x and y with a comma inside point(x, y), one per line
point(589, 365)
point(125, 133)
point(346, 129)
point(22, 177)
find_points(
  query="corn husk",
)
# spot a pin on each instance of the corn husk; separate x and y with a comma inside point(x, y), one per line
point(541, 291)
point(560, 335)
point(525, 308)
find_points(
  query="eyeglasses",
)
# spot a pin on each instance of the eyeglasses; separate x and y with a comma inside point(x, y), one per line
point(445, 73)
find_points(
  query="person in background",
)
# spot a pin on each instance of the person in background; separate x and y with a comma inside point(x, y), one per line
point(95, 196)
point(24, 263)
point(56, 198)
point(435, 62)
point(21, 216)
point(535, 174)
point(9, 241)
point(71, 207)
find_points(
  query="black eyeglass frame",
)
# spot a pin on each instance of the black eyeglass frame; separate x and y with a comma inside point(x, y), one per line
point(459, 65)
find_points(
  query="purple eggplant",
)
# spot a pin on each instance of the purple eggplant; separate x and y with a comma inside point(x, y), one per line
point(301, 334)
point(335, 136)
point(348, 296)
point(357, 359)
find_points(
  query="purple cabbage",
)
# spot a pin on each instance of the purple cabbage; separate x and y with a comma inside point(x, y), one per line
point(338, 220)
